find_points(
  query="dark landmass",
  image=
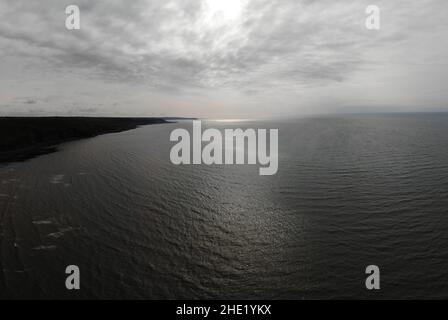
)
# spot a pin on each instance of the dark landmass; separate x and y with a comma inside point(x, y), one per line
point(27, 137)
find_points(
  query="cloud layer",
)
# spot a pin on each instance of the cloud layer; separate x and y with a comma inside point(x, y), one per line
point(222, 58)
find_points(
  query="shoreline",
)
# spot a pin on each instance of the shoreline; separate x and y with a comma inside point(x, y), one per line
point(24, 138)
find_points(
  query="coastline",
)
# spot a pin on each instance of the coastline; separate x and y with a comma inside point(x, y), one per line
point(23, 138)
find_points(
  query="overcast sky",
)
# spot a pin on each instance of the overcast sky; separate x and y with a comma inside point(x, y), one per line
point(222, 58)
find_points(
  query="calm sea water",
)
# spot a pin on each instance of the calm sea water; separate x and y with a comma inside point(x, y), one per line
point(350, 191)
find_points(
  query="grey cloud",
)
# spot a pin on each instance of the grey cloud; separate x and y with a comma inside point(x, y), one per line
point(168, 47)
point(112, 31)
point(30, 101)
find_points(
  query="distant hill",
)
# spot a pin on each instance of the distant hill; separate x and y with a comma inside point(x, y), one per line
point(25, 137)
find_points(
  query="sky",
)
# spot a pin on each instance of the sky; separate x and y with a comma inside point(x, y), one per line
point(222, 58)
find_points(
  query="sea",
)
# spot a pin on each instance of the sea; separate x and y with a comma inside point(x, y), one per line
point(351, 191)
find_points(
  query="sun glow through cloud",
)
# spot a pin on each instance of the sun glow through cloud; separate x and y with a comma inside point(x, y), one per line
point(223, 11)
point(226, 9)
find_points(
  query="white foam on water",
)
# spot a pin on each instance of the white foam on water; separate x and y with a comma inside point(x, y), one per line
point(57, 178)
point(51, 247)
point(38, 222)
point(60, 233)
